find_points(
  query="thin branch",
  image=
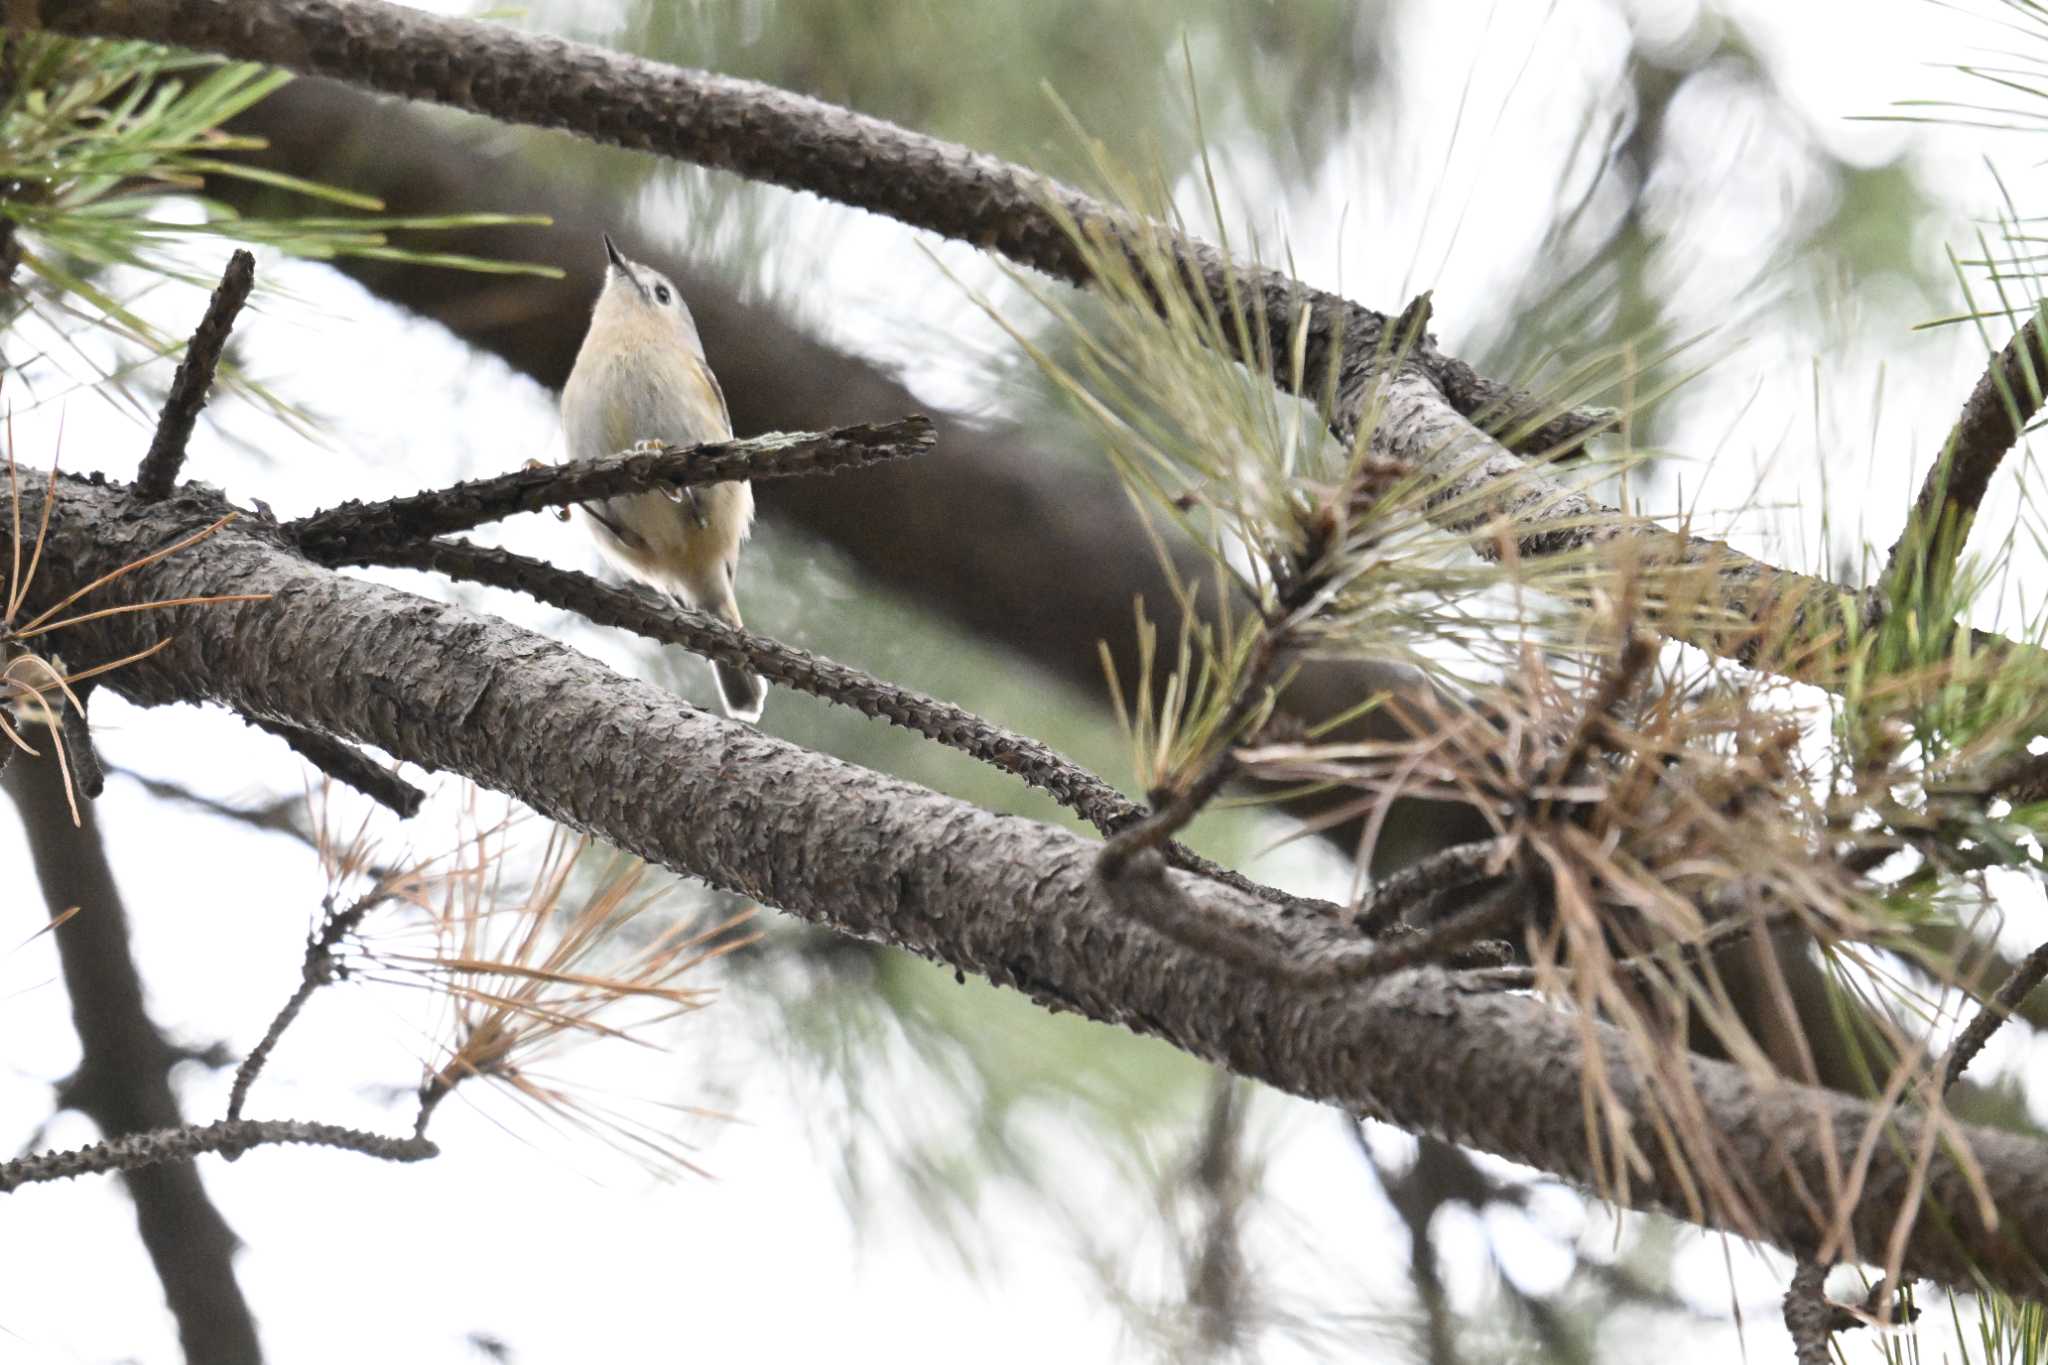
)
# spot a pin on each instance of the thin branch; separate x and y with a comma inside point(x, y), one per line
point(349, 766)
point(1038, 765)
point(344, 533)
point(1184, 805)
point(1992, 421)
point(1439, 1175)
point(2024, 978)
point(779, 138)
point(229, 1137)
point(316, 971)
point(159, 470)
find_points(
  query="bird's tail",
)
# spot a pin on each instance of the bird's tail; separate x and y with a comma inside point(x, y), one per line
point(743, 693)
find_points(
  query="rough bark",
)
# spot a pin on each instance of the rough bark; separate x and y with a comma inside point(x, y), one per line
point(1990, 424)
point(1012, 900)
point(1700, 591)
point(123, 1079)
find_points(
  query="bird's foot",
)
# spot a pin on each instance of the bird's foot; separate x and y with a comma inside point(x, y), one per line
point(561, 513)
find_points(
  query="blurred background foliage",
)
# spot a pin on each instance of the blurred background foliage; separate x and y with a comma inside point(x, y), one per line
point(1666, 184)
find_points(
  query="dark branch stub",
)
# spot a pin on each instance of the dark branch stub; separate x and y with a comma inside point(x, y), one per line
point(349, 766)
point(159, 470)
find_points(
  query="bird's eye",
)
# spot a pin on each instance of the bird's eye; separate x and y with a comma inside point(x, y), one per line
point(661, 294)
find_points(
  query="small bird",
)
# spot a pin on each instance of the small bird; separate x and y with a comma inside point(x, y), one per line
point(641, 381)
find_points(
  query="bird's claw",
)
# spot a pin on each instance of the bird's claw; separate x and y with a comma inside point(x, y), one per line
point(686, 496)
point(561, 513)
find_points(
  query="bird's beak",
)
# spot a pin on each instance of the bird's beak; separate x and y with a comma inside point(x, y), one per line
point(611, 252)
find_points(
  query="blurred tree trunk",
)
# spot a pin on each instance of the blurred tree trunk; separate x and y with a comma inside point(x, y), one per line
point(123, 1078)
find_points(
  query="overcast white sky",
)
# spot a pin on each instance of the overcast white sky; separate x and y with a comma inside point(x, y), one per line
point(567, 1255)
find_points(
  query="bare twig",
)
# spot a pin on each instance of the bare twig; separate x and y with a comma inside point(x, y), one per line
point(159, 470)
point(229, 1137)
point(1812, 1317)
point(1598, 716)
point(318, 970)
point(340, 534)
point(2024, 978)
point(1073, 786)
point(1993, 417)
point(1298, 577)
point(350, 766)
point(1185, 804)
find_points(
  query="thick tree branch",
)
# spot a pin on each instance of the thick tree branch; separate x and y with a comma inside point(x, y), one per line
point(317, 970)
point(1765, 617)
point(345, 533)
point(1007, 898)
point(781, 138)
point(1068, 783)
point(123, 1078)
point(1808, 1314)
point(166, 453)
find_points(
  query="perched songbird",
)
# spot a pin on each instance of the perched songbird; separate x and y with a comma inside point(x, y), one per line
point(641, 380)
